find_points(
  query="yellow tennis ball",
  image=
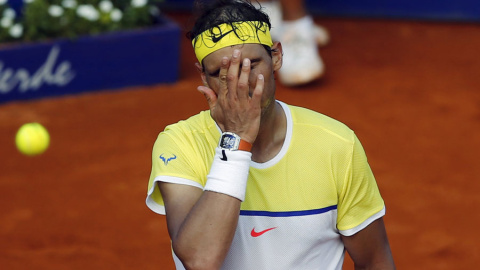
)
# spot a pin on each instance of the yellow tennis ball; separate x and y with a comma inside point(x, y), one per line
point(32, 139)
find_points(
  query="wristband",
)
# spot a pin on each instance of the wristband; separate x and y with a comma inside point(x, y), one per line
point(229, 173)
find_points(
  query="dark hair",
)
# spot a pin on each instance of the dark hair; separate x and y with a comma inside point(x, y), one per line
point(217, 12)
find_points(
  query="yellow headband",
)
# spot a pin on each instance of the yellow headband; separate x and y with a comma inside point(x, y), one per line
point(226, 34)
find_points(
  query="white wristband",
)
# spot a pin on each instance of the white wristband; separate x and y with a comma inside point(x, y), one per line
point(229, 173)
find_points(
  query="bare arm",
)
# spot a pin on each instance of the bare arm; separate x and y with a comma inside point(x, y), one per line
point(369, 248)
point(201, 223)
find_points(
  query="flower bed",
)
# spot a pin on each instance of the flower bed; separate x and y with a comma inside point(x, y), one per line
point(33, 20)
point(110, 60)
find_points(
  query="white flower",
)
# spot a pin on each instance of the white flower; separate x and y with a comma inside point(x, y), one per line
point(16, 30)
point(139, 3)
point(6, 22)
point(55, 11)
point(3, 2)
point(9, 13)
point(69, 3)
point(88, 12)
point(154, 11)
point(105, 6)
point(116, 15)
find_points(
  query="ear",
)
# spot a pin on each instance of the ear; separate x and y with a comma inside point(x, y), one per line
point(277, 55)
point(202, 74)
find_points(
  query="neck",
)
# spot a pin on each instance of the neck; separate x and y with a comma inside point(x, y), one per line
point(271, 136)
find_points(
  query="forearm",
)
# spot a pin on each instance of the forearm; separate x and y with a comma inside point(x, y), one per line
point(202, 234)
point(205, 236)
point(206, 233)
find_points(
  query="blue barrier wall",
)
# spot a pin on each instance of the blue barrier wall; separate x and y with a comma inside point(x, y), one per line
point(436, 10)
point(109, 61)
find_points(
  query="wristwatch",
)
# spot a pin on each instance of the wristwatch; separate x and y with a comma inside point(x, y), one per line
point(231, 141)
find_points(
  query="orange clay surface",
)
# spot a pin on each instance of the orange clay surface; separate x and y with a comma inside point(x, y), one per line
point(410, 90)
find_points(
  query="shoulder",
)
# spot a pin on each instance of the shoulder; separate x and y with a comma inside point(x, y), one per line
point(196, 123)
point(197, 127)
point(199, 130)
point(312, 122)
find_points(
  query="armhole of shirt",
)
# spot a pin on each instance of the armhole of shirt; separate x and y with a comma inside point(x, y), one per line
point(158, 208)
point(364, 224)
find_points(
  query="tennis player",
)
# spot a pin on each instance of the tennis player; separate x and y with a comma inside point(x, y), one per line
point(255, 183)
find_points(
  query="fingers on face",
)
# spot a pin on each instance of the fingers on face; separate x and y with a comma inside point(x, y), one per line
point(258, 91)
point(223, 76)
point(209, 95)
point(232, 76)
point(243, 86)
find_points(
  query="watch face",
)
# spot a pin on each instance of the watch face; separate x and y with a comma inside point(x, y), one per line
point(229, 141)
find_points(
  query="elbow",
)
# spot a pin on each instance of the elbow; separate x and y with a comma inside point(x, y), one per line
point(193, 259)
point(199, 265)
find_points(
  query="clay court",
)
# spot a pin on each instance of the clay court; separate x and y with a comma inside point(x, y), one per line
point(410, 90)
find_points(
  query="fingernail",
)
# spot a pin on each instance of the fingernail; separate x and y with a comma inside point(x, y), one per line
point(236, 53)
point(260, 76)
point(246, 62)
point(224, 60)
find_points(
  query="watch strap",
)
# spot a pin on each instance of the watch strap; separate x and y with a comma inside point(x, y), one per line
point(231, 141)
point(244, 146)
